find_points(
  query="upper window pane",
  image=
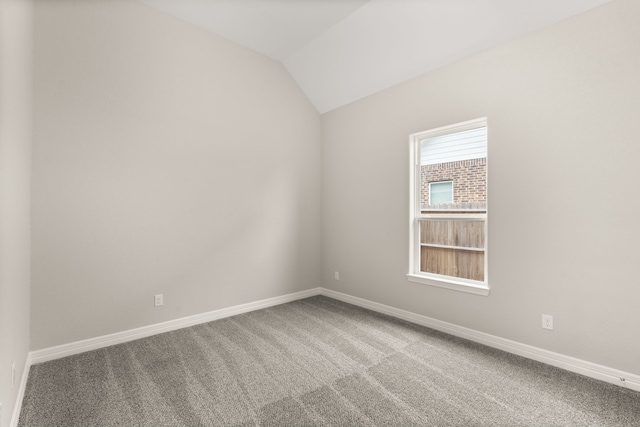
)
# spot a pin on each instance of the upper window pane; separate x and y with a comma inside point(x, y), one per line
point(453, 171)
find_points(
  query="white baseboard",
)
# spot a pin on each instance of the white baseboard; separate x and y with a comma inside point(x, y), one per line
point(610, 375)
point(593, 370)
point(15, 417)
point(77, 347)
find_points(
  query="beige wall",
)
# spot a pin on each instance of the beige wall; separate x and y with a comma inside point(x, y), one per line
point(562, 107)
point(16, 29)
point(166, 160)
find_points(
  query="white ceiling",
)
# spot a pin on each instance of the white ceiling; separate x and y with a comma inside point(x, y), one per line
point(340, 51)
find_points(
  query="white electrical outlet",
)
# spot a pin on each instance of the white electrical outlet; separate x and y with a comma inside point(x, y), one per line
point(336, 275)
point(158, 300)
point(547, 321)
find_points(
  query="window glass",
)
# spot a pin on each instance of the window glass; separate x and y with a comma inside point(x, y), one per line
point(440, 193)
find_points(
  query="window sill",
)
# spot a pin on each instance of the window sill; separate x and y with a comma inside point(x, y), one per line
point(449, 284)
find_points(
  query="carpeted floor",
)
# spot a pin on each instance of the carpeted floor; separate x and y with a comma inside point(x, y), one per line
point(316, 361)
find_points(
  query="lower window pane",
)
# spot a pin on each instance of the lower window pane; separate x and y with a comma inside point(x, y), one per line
point(460, 263)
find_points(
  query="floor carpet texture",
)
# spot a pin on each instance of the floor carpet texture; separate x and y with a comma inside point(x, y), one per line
point(315, 362)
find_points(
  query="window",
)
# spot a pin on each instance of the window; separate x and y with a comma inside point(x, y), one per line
point(448, 236)
point(440, 193)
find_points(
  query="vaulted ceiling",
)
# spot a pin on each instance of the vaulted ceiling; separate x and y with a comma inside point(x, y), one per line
point(340, 51)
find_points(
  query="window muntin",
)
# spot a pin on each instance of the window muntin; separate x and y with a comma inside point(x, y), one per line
point(449, 231)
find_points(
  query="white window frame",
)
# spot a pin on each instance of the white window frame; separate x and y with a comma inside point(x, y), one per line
point(415, 275)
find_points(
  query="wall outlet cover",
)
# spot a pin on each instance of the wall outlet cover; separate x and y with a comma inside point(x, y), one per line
point(158, 300)
point(547, 321)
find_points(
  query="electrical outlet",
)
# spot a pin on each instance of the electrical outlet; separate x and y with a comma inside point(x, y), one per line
point(13, 374)
point(336, 275)
point(158, 300)
point(547, 321)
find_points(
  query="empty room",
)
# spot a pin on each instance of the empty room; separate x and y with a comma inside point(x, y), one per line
point(319, 212)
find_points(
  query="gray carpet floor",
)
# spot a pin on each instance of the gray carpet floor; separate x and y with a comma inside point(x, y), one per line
point(315, 362)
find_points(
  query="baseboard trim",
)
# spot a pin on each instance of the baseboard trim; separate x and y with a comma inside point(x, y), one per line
point(77, 347)
point(589, 369)
point(15, 417)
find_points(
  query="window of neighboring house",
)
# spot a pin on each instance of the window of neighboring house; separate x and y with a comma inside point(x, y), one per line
point(448, 237)
point(440, 193)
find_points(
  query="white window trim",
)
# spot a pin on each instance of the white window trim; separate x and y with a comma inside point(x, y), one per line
point(414, 274)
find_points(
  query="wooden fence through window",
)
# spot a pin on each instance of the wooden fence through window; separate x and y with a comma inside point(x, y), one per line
point(453, 247)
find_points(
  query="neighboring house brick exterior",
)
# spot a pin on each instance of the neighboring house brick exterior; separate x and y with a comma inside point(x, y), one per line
point(468, 177)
